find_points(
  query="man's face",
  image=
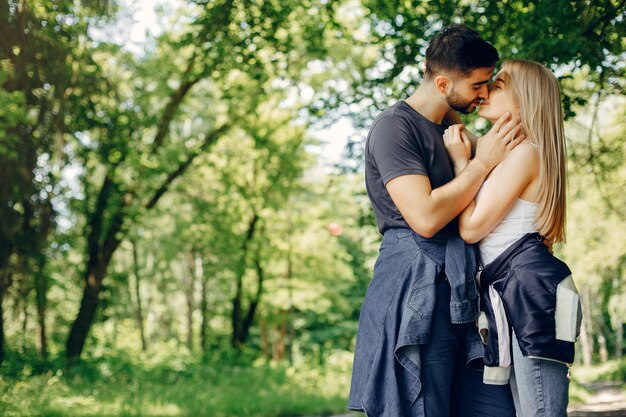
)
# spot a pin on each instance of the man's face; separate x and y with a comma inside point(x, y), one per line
point(468, 92)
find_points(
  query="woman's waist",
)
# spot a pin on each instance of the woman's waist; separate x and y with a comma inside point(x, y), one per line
point(512, 228)
point(494, 244)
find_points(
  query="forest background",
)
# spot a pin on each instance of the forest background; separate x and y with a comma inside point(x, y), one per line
point(184, 228)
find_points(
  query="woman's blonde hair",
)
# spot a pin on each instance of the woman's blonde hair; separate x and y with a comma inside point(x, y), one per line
point(536, 91)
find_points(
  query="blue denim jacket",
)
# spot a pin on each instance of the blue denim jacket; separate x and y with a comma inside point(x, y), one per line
point(396, 317)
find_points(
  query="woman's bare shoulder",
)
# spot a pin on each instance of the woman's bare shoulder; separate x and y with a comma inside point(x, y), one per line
point(523, 156)
point(524, 153)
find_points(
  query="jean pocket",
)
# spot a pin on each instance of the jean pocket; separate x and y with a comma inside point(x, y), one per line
point(422, 301)
point(568, 314)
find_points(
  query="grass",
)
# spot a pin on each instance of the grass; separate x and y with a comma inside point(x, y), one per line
point(121, 387)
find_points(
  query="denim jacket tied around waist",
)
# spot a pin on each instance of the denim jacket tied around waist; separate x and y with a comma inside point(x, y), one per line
point(396, 317)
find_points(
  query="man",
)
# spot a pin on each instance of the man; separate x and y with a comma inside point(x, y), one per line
point(416, 336)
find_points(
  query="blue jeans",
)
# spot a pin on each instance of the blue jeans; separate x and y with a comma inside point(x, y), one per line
point(539, 386)
point(450, 388)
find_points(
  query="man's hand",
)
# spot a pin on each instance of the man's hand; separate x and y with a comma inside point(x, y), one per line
point(452, 118)
point(498, 142)
point(458, 146)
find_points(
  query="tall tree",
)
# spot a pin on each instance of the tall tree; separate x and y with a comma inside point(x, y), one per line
point(40, 80)
point(141, 152)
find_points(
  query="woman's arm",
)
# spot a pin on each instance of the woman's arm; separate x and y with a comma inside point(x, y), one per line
point(499, 194)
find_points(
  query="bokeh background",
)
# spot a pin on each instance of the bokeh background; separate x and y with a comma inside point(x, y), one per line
point(184, 229)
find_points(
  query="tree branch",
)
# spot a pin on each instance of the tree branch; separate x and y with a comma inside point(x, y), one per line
point(174, 103)
point(210, 139)
point(97, 217)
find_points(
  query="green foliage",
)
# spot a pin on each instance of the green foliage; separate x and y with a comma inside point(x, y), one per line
point(12, 113)
point(197, 153)
point(595, 249)
point(175, 385)
point(567, 36)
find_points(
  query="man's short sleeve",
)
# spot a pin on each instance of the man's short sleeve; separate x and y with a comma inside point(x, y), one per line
point(394, 148)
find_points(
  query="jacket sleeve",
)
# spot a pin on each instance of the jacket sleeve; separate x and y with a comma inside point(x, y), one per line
point(568, 312)
point(498, 339)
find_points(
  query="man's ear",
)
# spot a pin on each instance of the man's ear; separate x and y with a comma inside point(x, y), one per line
point(443, 84)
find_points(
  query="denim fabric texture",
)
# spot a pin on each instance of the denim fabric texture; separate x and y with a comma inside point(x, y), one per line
point(396, 322)
point(449, 386)
point(539, 386)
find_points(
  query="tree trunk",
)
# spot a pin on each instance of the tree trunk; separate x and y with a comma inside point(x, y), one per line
point(96, 270)
point(254, 303)
point(604, 352)
point(282, 332)
point(150, 319)
point(24, 322)
point(289, 319)
point(189, 295)
point(238, 338)
point(264, 340)
point(2, 287)
point(619, 337)
point(204, 306)
point(86, 313)
point(41, 290)
point(101, 244)
point(164, 319)
point(139, 311)
point(586, 335)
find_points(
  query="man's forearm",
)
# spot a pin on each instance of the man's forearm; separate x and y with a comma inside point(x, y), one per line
point(450, 199)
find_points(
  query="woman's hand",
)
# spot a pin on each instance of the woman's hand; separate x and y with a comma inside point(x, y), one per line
point(458, 146)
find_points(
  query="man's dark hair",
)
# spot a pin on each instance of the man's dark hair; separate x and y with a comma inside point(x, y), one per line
point(459, 49)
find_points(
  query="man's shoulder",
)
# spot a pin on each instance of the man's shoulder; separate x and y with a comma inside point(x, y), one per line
point(396, 112)
point(394, 120)
point(389, 115)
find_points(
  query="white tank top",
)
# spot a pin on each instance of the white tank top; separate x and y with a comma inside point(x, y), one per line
point(519, 221)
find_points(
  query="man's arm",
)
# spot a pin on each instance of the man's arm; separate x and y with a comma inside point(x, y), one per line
point(426, 210)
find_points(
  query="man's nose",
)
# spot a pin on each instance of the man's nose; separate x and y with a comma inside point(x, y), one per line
point(484, 92)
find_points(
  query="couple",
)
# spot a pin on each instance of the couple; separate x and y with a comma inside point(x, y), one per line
point(419, 351)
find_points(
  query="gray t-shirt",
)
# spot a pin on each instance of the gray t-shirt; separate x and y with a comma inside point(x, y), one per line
point(400, 142)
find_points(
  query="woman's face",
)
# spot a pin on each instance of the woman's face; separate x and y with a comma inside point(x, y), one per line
point(500, 101)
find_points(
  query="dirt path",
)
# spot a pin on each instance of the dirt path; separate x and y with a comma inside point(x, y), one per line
point(609, 400)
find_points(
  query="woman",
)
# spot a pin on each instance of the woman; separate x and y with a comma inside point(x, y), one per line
point(528, 296)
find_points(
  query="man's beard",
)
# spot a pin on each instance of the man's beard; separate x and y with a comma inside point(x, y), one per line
point(456, 102)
